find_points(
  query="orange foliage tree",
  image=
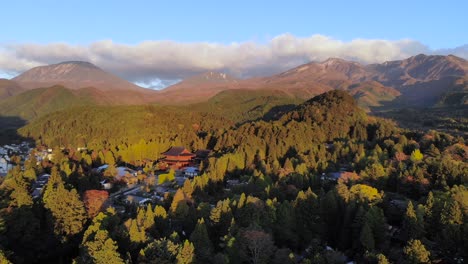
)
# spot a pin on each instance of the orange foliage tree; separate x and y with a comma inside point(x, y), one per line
point(94, 201)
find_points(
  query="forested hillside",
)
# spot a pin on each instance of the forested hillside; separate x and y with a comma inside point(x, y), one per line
point(99, 126)
point(38, 102)
point(320, 182)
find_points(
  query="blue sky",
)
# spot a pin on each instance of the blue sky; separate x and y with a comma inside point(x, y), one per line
point(154, 43)
point(438, 24)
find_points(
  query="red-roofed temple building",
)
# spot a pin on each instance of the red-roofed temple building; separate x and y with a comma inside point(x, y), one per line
point(178, 157)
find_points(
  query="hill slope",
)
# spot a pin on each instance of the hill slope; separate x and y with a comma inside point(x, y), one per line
point(74, 75)
point(9, 88)
point(37, 102)
point(240, 105)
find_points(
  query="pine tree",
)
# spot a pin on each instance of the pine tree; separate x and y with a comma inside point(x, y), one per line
point(97, 246)
point(412, 227)
point(451, 214)
point(308, 220)
point(159, 251)
point(284, 228)
point(433, 151)
point(187, 188)
point(201, 241)
point(342, 191)
point(141, 214)
point(22, 230)
point(221, 216)
point(100, 249)
point(381, 259)
point(451, 235)
point(186, 253)
point(136, 234)
point(19, 195)
point(331, 217)
point(356, 225)
point(367, 238)
point(149, 217)
point(416, 252)
point(374, 217)
point(429, 205)
point(241, 202)
point(68, 214)
point(178, 199)
point(161, 223)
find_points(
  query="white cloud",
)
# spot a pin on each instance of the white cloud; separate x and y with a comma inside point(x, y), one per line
point(162, 62)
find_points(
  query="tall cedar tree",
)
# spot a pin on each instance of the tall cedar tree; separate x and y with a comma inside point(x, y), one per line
point(201, 241)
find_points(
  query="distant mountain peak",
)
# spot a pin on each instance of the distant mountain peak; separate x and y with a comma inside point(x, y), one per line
point(334, 60)
point(73, 75)
point(78, 63)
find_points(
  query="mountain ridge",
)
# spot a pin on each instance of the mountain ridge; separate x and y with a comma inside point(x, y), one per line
point(383, 82)
point(422, 81)
point(74, 75)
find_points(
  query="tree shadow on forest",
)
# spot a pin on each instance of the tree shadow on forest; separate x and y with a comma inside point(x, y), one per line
point(273, 114)
point(8, 130)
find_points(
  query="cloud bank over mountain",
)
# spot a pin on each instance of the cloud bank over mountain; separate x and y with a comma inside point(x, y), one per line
point(158, 63)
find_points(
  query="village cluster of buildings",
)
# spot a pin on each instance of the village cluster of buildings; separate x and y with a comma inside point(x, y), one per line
point(6, 151)
point(184, 163)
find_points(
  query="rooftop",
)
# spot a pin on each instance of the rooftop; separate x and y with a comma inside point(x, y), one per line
point(178, 151)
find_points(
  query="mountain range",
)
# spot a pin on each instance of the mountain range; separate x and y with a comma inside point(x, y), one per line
point(419, 81)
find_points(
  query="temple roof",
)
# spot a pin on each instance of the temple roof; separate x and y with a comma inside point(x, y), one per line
point(178, 151)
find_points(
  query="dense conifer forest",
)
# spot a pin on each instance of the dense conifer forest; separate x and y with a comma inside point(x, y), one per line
point(318, 181)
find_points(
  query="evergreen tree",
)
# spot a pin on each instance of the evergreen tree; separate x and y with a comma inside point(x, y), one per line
point(187, 188)
point(137, 235)
point(159, 251)
point(450, 237)
point(367, 238)
point(67, 212)
point(149, 217)
point(416, 252)
point(221, 217)
point(412, 227)
point(451, 214)
point(22, 232)
point(381, 259)
point(186, 253)
point(308, 221)
point(99, 248)
point(161, 223)
point(374, 217)
point(429, 205)
point(179, 198)
point(201, 241)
